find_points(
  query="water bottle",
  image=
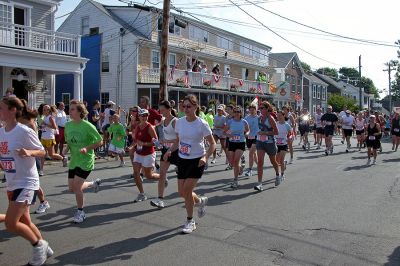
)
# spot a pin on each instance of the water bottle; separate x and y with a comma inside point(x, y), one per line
point(157, 144)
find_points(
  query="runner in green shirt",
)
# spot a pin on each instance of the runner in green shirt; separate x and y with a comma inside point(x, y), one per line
point(210, 118)
point(117, 144)
point(82, 138)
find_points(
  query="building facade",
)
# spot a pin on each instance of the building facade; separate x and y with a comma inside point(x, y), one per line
point(32, 52)
point(315, 93)
point(130, 57)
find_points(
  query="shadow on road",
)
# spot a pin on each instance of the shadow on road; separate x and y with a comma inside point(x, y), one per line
point(394, 258)
point(117, 251)
point(357, 167)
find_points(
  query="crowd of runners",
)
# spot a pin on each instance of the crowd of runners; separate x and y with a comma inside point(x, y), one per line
point(186, 138)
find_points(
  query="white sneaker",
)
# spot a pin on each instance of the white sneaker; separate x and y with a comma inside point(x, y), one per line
point(96, 185)
point(42, 207)
point(65, 161)
point(189, 227)
point(41, 173)
point(79, 216)
point(122, 164)
point(259, 187)
point(369, 161)
point(201, 211)
point(159, 203)
point(234, 184)
point(249, 173)
point(374, 162)
point(213, 161)
point(39, 255)
point(141, 197)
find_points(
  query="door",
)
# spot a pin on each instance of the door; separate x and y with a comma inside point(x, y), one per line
point(19, 19)
point(19, 89)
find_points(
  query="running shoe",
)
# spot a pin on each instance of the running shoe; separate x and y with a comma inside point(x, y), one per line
point(159, 203)
point(229, 167)
point(39, 255)
point(219, 154)
point(96, 185)
point(374, 162)
point(249, 173)
point(304, 147)
point(41, 173)
point(283, 177)
point(42, 207)
point(308, 146)
point(318, 147)
point(342, 141)
point(49, 252)
point(189, 227)
point(122, 164)
point(234, 184)
point(326, 152)
point(141, 197)
point(315, 143)
point(277, 180)
point(259, 187)
point(393, 147)
point(369, 161)
point(79, 216)
point(3, 180)
point(65, 161)
point(347, 150)
point(380, 149)
point(331, 150)
point(213, 161)
point(201, 211)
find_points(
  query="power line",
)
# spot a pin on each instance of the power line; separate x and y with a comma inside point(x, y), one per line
point(316, 29)
point(280, 36)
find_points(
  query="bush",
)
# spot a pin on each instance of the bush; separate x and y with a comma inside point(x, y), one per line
point(338, 102)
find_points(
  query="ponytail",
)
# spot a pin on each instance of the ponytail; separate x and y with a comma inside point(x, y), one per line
point(27, 112)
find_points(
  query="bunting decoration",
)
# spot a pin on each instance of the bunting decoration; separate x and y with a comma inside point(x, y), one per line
point(241, 82)
point(217, 78)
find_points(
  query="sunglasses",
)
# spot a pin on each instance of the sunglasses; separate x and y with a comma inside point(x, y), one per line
point(144, 115)
point(187, 106)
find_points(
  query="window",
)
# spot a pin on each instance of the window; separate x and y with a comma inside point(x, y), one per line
point(66, 99)
point(5, 13)
point(155, 59)
point(105, 61)
point(173, 29)
point(85, 26)
point(314, 109)
point(323, 93)
point(172, 60)
point(256, 75)
point(314, 91)
point(246, 49)
point(319, 92)
point(104, 99)
point(225, 43)
point(198, 34)
point(260, 54)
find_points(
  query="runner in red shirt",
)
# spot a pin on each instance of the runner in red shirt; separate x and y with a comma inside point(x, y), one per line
point(154, 117)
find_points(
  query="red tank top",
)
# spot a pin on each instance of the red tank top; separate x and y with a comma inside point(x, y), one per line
point(144, 136)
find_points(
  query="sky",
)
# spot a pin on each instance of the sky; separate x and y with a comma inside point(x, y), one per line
point(362, 19)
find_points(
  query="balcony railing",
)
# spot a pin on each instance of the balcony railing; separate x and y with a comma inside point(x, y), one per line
point(185, 79)
point(24, 37)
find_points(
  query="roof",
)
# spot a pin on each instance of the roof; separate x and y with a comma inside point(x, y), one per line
point(281, 60)
point(328, 80)
point(315, 79)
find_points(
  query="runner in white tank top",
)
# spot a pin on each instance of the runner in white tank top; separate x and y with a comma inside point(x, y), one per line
point(359, 123)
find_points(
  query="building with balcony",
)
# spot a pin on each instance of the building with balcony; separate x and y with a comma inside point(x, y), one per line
point(130, 56)
point(287, 80)
point(32, 52)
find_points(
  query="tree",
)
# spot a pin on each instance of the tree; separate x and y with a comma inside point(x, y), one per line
point(396, 82)
point(350, 75)
point(331, 72)
point(338, 102)
point(369, 86)
point(306, 67)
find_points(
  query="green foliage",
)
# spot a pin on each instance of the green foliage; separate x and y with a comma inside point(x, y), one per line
point(338, 102)
point(350, 74)
point(306, 67)
point(331, 72)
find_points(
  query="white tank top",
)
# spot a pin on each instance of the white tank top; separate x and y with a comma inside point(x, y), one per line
point(169, 130)
point(318, 121)
point(47, 131)
point(360, 124)
point(283, 130)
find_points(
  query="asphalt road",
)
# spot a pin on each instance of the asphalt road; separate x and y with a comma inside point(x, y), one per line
point(331, 210)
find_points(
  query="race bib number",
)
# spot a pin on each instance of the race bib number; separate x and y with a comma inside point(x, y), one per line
point(8, 164)
point(185, 149)
point(396, 130)
point(229, 132)
point(328, 123)
point(251, 137)
point(235, 138)
point(139, 148)
point(262, 137)
point(279, 141)
point(371, 137)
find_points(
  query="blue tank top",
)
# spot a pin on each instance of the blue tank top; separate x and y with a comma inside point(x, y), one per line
point(237, 130)
point(266, 126)
point(253, 125)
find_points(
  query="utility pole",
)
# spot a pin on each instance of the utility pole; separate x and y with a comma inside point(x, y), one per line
point(390, 66)
point(359, 82)
point(164, 51)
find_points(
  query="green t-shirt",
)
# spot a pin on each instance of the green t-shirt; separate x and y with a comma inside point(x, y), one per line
point(78, 136)
point(202, 115)
point(181, 114)
point(118, 133)
point(210, 120)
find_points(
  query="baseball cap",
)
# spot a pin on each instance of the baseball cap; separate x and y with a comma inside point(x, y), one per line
point(111, 103)
point(143, 112)
point(220, 107)
point(348, 112)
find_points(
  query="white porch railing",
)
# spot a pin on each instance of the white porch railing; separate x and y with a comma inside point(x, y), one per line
point(182, 78)
point(20, 36)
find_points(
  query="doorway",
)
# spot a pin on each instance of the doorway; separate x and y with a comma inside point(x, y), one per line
point(19, 89)
point(19, 19)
